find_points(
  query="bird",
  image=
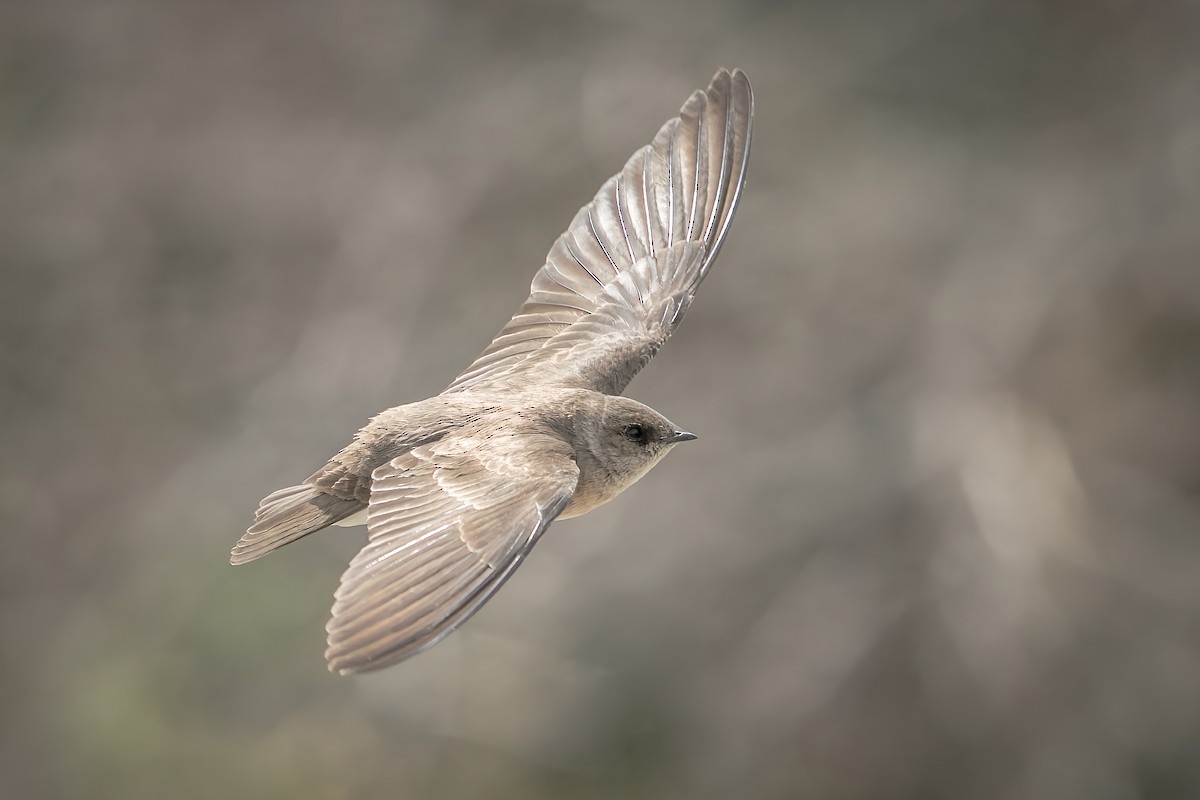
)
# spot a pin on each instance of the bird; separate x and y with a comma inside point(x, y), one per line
point(456, 489)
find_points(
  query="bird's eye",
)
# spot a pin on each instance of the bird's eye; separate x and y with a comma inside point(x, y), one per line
point(635, 433)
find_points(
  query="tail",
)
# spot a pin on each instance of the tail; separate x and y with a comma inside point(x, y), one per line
point(286, 515)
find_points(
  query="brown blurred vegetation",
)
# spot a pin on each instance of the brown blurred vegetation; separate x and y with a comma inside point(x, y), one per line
point(938, 538)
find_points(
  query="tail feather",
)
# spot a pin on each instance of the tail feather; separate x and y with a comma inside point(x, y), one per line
point(285, 516)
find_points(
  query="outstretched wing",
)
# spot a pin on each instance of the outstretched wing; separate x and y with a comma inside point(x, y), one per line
point(618, 281)
point(448, 523)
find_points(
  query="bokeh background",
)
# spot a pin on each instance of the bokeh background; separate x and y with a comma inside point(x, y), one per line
point(938, 538)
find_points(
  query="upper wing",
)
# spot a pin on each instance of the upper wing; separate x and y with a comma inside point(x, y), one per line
point(612, 261)
point(448, 523)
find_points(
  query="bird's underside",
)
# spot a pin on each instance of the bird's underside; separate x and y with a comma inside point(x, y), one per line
point(457, 488)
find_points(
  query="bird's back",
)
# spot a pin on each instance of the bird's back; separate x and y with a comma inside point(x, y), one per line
point(342, 488)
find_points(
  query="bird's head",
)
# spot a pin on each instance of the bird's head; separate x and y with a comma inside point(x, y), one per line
point(627, 438)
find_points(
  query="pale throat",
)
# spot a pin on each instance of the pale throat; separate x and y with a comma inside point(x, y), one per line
point(597, 485)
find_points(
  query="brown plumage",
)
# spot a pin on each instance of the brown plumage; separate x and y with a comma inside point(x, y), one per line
point(456, 489)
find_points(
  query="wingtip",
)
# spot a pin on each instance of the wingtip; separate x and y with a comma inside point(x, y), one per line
point(727, 106)
point(726, 80)
point(722, 76)
point(334, 662)
point(733, 74)
point(343, 663)
point(743, 80)
point(240, 555)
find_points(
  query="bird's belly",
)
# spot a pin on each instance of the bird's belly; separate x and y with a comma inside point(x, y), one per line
point(581, 505)
point(357, 518)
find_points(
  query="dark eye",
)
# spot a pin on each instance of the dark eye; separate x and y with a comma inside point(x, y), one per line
point(635, 433)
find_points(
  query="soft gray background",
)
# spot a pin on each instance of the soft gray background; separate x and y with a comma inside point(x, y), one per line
point(938, 538)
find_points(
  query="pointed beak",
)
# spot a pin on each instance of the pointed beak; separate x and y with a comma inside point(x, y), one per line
point(681, 436)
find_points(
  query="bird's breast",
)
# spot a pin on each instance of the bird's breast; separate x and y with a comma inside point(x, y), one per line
point(596, 486)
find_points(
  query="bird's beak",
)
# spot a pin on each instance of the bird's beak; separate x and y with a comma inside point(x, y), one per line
point(681, 436)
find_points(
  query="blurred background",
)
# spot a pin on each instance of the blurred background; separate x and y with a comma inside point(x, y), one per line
point(938, 538)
